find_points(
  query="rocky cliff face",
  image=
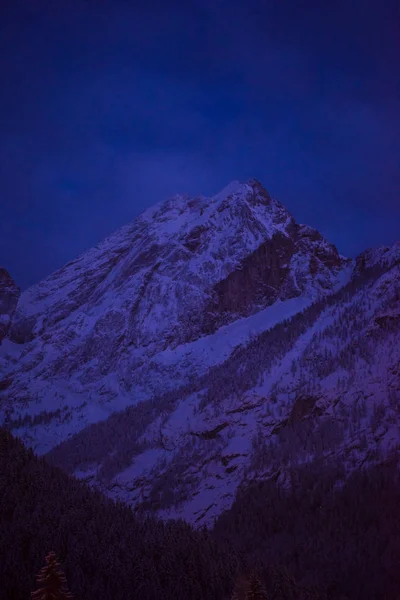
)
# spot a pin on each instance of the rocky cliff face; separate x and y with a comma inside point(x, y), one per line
point(9, 294)
point(376, 258)
point(179, 272)
point(320, 387)
point(217, 325)
point(283, 267)
point(230, 254)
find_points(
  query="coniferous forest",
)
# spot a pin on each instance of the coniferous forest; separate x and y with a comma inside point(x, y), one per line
point(313, 540)
point(199, 375)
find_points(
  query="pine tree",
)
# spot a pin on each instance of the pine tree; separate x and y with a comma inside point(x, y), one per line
point(255, 589)
point(241, 586)
point(53, 582)
point(282, 584)
point(235, 595)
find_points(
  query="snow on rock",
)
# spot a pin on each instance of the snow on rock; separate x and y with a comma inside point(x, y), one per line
point(373, 257)
point(209, 341)
point(9, 294)
point(333, 394)
point(165, 284)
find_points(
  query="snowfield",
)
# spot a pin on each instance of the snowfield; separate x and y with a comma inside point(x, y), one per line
point(209, 342)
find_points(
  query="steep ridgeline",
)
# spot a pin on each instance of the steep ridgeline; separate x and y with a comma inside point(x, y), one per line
point(157, 304)
point(210, 342)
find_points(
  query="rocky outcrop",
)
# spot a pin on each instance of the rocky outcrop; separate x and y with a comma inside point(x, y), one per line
point(376, 258)
point(321, 388)
point(302, 407)
point(281, 268)
point(205, 319)
point(258, 280)
point(9, 294)
point(176, 274)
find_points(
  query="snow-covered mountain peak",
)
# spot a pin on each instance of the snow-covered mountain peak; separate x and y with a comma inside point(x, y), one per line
point(234, 188)
point(226, 318)
point(115, 321)
point(185, 256)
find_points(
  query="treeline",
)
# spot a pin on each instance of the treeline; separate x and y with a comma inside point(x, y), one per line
point(314, 540)
point(280, 585)
point(112, 444)
point(118, 435)
point(43, 418)
point(107, 552)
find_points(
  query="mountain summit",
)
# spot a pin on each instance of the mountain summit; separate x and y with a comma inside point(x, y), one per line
point(181, 270)
point(213, 324)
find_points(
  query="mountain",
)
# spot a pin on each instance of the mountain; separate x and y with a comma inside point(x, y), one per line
point(210, 342)
point(134, 315)
point(9, 294)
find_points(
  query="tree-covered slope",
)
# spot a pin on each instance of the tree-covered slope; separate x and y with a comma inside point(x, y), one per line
point(107, 553)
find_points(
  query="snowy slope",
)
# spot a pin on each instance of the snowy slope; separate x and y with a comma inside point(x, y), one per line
point(158, 302)
point(210, 341)
point(324, 385)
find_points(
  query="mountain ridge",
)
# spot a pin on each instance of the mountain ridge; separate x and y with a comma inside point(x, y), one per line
point(202, 321)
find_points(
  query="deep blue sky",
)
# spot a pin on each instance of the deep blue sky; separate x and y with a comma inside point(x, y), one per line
point(107, 107)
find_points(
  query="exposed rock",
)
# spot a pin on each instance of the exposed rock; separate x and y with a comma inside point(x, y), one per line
point(257, 282)
point(178, 272)
point(9, 294)
point(376, 257)
point(302, 407)
point(163, 311)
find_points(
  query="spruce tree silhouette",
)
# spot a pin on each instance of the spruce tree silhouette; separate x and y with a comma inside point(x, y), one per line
point(256, 589)
point(53, 582)
point(240, 588)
